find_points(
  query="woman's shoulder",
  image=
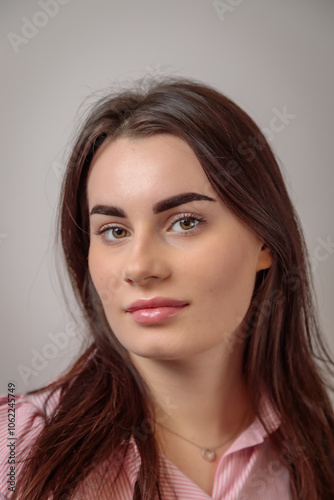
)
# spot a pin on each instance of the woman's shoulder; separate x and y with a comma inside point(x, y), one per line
point(27, 407)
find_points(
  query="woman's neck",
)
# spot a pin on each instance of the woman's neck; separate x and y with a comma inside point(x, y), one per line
point(203, 398)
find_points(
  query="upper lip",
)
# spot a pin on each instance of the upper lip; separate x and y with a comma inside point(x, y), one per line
point(155, 302)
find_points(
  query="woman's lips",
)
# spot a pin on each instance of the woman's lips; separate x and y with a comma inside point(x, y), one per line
point(155, 310)
point(153, 315)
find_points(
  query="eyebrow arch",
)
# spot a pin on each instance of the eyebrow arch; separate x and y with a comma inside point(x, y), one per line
point(160, 206)
point(179, 199)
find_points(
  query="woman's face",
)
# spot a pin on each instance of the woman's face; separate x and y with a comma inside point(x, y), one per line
point(152, 239)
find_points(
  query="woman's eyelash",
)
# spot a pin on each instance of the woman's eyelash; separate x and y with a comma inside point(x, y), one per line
point(182, 217)
point(107, 227)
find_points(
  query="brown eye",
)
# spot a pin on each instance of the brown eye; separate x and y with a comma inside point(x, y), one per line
point(117, 232)
point(188, 223)
point(111, 234)
point(185, 224)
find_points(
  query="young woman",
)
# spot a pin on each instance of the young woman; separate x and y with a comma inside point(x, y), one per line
point(202, 377)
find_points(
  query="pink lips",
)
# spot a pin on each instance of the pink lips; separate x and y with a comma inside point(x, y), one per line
point(155, 310)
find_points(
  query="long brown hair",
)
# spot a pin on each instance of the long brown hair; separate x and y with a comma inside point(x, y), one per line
point(103, 399)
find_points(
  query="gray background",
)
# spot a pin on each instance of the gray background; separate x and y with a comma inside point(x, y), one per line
point(266, 55)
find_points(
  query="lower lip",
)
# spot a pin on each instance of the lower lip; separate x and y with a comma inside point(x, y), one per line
point(154, 315)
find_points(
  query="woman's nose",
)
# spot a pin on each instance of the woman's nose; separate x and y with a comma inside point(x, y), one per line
point(146, 262)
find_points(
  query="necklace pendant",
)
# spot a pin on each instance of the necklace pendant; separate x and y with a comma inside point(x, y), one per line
point(208, 454)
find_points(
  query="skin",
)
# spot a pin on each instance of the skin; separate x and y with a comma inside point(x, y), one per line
point(195, 377)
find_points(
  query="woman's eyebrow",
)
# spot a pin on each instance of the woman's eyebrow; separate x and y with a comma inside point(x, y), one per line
point(160, 206)
point(108, 210)
point(179, 199)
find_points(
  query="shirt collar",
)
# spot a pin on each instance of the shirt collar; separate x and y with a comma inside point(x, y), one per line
point(257, 431)
point(253, 435)
point(132, 462)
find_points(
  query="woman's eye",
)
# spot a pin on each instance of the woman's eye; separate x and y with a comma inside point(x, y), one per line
point(113, 233)
point(185, 224)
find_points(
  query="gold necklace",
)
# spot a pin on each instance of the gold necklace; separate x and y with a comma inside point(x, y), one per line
point(207, 452)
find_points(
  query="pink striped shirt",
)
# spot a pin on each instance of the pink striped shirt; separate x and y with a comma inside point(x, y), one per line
point(250, 469)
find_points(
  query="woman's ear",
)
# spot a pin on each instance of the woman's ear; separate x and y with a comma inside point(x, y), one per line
point(265, 258)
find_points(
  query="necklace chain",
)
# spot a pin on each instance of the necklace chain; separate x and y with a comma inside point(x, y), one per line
point(208, 453)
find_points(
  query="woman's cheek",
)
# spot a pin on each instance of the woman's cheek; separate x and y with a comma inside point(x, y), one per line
point(106, 278)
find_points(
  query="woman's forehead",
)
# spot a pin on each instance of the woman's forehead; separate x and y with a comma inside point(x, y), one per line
point(156, 167)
